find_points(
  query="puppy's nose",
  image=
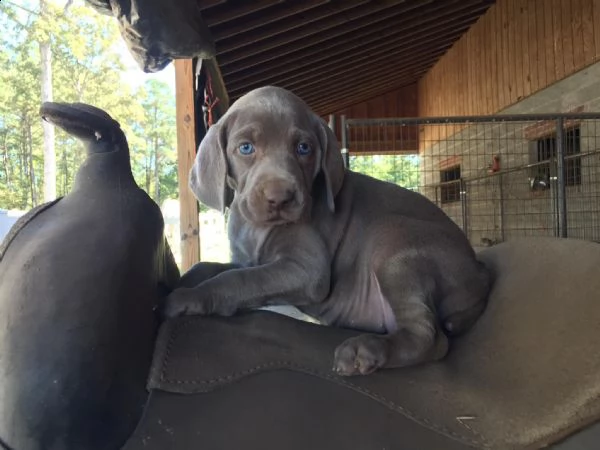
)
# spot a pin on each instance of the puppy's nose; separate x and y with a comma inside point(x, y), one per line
point(279, 194)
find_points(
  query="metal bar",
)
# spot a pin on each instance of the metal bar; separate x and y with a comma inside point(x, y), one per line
point(345, 151)
point(463, 205)
point(554, 202)
point(561, 187)
point(501, 194)
point(511, 170)
point(470, 119)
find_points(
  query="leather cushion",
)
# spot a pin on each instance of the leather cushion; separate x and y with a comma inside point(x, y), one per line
point(525, 376)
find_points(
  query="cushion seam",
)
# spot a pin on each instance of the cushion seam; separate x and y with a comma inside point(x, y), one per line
point(482, 442)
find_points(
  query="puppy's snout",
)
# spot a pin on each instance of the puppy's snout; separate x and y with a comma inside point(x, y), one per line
point(279, 193)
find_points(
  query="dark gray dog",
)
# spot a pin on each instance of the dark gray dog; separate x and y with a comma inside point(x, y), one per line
point(345, 248)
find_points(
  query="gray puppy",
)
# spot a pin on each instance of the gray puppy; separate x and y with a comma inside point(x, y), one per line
point(345, 248)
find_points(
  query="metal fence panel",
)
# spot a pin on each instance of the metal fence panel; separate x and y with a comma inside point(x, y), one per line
point(498, 177)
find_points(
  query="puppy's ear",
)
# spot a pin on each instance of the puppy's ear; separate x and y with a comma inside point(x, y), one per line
point(332, 163)
point(209, 174)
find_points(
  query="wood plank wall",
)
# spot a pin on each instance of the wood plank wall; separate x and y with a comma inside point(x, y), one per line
point(397, 103)
point(516, 49)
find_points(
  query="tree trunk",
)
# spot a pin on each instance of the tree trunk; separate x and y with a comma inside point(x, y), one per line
point(23, 167)
point(34, 199)
point(156, 173)
point(147, 167)
point(6, 159)
point(46, 83)
point(66, 181)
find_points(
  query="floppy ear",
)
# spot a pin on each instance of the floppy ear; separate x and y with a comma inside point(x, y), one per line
point(208, 177)
point(332, 163)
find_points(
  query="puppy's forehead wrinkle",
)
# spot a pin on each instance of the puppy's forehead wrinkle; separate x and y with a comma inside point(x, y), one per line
point(271, 129)
point(251, 131)
point(273, 101)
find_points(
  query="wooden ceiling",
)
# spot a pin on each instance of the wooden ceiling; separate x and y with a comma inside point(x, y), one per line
point(333, 53)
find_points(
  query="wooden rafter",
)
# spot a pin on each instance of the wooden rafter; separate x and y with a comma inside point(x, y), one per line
point(283, 36)
point(316, 48)
point(278, 13)
point(394, 50)
point(409, 27)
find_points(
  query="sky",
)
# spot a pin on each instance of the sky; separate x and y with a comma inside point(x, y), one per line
point(135, 76)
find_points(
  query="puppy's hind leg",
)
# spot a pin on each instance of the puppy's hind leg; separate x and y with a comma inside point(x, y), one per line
point(416, 337)
point(462, 305)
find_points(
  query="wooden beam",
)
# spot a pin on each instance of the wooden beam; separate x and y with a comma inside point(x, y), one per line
point(288, 27)
point(387, 145)
point(361, 75)
point(207, 4)
point(383, 58)
point(186, 153)
point(361, 86)
point(228, 12)
point(365, 74)
point(339, 98)
point(317, 72)
point(340, 103)
point(388, 29)
point(295, 39)
point(274, 14)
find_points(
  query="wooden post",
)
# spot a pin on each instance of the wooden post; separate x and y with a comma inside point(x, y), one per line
point(186, 152)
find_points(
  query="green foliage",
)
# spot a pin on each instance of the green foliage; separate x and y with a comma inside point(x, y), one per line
point(159, 155)
point(86, 68)
point(399, 169)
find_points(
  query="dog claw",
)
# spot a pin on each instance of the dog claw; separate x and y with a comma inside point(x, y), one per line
point(360, 355)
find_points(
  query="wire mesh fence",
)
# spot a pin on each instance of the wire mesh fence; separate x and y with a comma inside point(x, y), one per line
point(497, 177)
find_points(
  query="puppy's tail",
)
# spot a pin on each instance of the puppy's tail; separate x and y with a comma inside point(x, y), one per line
point(462, 313)
point(94, 127)
point(460, 322)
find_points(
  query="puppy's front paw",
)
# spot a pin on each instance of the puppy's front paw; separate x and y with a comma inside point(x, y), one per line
point(360, 355)
point(177, 303)
point(190, 301)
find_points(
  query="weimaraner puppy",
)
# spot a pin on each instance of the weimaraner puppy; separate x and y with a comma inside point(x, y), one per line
point(347, 249)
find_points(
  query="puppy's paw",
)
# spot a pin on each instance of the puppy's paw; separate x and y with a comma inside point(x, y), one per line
point(189, 301)
point(176, 304)
point(360, 355)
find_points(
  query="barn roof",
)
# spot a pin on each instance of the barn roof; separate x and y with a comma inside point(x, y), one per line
point(333, 53)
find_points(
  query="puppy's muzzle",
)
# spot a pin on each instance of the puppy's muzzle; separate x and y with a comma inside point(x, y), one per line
point(279, 194)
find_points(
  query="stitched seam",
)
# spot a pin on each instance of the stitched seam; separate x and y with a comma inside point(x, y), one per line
point(476, 433)
point(174, 335)
point(378, 397)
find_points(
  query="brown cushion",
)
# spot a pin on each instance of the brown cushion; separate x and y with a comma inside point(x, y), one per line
point(525, 376)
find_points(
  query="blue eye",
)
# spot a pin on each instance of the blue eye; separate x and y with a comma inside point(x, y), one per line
point(246, 148)
point(303, 148)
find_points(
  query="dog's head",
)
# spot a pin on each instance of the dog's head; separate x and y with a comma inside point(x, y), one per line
point(268, 149)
